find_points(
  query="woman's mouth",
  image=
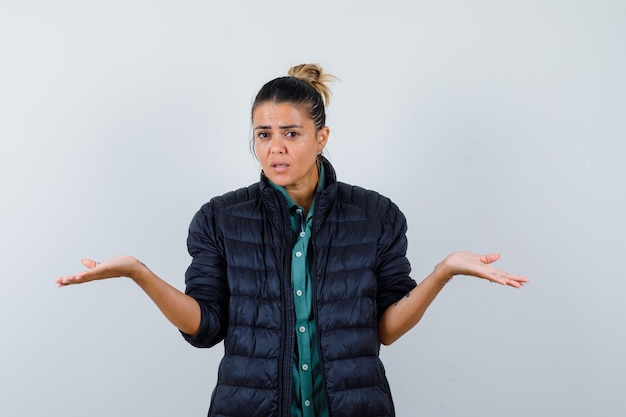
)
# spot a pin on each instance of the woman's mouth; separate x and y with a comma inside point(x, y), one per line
point(280, 167)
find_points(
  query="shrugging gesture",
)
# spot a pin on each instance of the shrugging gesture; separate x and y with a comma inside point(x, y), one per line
point(301, 275)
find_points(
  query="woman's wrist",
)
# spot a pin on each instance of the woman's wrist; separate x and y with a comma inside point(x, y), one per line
point(442, 273)
point(138, 271)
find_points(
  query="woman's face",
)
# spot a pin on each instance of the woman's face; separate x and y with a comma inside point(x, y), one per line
point(287, 144)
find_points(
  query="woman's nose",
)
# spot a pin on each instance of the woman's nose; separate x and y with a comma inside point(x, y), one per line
point(277, 146)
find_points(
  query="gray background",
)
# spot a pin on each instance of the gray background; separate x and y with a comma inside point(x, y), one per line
point(495, 126)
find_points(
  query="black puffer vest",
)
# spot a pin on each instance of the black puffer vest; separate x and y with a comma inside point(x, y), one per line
point(240, 274)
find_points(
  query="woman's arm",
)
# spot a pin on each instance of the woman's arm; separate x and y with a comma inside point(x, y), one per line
point(180, 309)
point(400, 317)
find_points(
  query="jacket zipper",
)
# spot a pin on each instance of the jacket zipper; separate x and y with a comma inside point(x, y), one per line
point(315, 316)
point(286, 346)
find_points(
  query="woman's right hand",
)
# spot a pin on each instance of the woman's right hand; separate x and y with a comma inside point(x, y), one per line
point(120, 266)
point(179, 308)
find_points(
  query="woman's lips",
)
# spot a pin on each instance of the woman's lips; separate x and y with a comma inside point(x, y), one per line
point(280, 167)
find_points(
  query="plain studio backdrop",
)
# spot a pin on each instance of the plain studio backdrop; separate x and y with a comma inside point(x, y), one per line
point(494, 125)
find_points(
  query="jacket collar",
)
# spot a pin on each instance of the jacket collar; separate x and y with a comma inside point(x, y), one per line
point(274, 200)
point(329, 174)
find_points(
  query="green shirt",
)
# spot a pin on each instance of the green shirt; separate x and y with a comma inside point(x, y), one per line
point(308, 390)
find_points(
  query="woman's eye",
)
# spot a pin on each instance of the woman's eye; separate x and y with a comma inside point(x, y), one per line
point(262, 135)
point(291, 135)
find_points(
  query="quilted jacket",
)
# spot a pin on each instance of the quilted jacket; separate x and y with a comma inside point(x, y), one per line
point(240, 275)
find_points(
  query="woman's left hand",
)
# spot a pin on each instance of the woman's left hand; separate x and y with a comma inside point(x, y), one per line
point(466, 263)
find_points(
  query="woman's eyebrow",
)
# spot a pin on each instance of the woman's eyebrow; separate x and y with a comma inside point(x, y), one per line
point(280, 127)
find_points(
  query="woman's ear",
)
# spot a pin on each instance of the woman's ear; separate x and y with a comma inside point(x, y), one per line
point(322, 137)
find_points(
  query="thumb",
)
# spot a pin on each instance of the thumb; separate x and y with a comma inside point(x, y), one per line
point(89, 263)
point(490, 258)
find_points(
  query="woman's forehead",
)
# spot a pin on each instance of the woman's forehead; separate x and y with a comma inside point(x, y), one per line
point(278, 114)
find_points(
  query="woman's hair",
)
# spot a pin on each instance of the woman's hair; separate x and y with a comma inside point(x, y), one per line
point(306, 86)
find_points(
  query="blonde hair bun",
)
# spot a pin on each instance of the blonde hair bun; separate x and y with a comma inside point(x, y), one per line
point(314, 75)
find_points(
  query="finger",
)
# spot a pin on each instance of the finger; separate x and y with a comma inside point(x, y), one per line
point(68, 280)
point(517, 278)
point(490, 258)
point(497, 279)
point(519, 281)
point(89, 263)
point(513, 283)
point(504, 278)
point(85, 276)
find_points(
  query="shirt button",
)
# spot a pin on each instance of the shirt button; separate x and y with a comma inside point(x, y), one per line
point(302, 329)
point(307, 403)
point(302, 234)
point(298, 254)
point(305, 367)
point(299, 293)
point(298, 211)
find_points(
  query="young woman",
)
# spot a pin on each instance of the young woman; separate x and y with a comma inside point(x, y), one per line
point(302, 276)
